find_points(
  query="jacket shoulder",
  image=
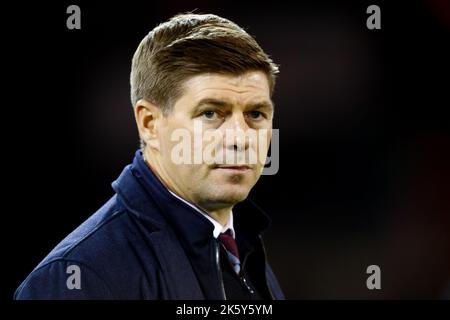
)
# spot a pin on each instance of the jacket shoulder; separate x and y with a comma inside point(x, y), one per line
point(63, 279)
point(90, 263)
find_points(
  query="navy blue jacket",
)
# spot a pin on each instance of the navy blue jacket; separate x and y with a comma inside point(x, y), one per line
point(143, 244)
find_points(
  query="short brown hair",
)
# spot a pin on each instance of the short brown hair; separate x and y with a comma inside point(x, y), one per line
point(187, 45)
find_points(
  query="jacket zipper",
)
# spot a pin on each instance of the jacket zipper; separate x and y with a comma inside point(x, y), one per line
point(219, 270)
point(247, 286)
point(243, 279)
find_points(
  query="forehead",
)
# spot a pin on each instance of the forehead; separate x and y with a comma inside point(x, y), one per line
point(237, 89)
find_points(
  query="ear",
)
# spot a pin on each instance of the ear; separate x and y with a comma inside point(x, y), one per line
point(147, 117)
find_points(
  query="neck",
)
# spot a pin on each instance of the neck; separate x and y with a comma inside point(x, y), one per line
point(220, 214)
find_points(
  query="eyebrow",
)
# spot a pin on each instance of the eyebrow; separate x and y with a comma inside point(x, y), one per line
point(225, 104)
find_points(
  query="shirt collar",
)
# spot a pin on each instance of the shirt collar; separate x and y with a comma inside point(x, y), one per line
point(218, 228)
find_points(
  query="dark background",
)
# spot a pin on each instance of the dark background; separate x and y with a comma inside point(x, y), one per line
point(364, 130)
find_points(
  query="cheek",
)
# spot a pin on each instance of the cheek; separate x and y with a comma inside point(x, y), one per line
point(166, 144)
point(170, 136)
point(262, 145)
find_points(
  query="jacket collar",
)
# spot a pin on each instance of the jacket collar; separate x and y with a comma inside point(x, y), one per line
point(141, 190)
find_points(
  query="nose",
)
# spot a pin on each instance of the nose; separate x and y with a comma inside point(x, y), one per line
point(235, 135)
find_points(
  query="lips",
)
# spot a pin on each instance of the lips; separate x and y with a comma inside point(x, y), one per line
point(233, 167)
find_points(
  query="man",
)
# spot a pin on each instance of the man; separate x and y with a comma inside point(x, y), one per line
point(172, 230)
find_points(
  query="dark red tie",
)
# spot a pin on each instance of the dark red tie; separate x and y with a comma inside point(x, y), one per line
point(230, 245)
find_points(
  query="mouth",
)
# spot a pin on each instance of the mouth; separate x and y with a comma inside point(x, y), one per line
point(233, 168)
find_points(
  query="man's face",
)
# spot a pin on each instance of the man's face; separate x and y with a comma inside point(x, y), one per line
point(217, 113)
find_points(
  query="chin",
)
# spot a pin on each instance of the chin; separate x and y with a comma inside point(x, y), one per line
point(218, 196)
point(233, 194)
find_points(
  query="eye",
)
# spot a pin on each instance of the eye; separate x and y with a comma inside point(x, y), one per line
point(255, 115)
point(211, 115)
